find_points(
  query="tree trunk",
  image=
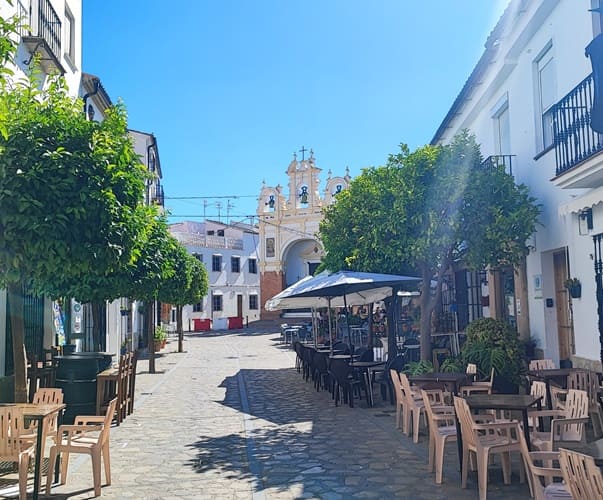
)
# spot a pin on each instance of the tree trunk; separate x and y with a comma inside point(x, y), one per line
point(15, 298)
point(150, 326)
point(427, 306)
point(179, 328)
point(97, 308)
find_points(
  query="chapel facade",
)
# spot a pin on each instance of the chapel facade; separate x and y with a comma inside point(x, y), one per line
point(288, 225)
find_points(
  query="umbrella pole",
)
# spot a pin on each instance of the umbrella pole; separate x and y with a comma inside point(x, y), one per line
point(347, 317)
point(329, 321)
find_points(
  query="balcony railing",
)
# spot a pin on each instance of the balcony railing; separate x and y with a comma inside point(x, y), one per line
point(43, 35)
point(207, 241)
point(496, 161)
point(573, 139)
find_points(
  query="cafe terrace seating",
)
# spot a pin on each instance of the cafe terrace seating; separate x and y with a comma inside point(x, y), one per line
point(12, 447)
point(442, 428)
point(88, 435)
point(567, 424)
point(413, 408)
point(479, 387)
point(581, 474)
point(541, 473)
point(483, 440)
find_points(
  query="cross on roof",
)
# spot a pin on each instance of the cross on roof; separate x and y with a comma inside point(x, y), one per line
point(303, 151)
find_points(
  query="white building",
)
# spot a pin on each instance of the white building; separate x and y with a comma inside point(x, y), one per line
point(529, 101)
point(230, 254)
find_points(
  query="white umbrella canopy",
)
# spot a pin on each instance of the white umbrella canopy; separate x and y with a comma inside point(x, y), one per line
point(338, 290)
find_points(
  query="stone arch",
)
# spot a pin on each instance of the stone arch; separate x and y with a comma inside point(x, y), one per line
point(300, 258)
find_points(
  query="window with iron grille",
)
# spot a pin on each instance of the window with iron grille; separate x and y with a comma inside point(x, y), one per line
point(216, 263)
point(216, 302)
point(253, 302)
point(198, 307)
point(235, 264)
point(198, 256)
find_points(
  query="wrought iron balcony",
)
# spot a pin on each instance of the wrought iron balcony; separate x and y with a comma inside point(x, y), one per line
point(496, 161)
point(573, 139)
point(43, 34)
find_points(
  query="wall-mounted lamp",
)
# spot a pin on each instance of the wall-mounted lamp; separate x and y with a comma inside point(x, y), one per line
point(585, 221)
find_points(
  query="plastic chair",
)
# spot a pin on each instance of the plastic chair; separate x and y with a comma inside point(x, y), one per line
point(12, 447)
point(482, 440)
point(344, 381)
point(581, 474)
point(540, 477)
point(567, 424)
point(541, 364)
point(89, 435)
point(413, 408)
point(442, 429)
point(481, 387)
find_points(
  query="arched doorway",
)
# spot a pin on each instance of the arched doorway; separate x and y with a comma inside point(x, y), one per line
point(300, 259)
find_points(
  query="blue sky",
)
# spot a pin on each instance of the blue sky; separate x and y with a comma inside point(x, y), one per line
point(231, 88)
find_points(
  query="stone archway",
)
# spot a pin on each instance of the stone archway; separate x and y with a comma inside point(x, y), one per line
point(300, 259)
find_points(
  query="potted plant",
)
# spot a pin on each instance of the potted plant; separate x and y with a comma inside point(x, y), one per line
point(494, 343)
point(574, 287)
point(160, 337)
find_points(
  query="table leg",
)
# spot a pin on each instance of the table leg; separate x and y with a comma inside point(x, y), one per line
point(369, 387)
point(38, 459)
point(526, 429)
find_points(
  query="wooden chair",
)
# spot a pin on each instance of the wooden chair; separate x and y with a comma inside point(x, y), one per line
point(567, 424)
point(12, 447)
point(132, 381)
point(483, 440)
point(582, 476)
point(412, 409)
point(89, 435)
point(480, 387)
point(442, 428)
point(399, 395)
point(587, 380)
point(541, 364)
point(537, 389)
point(540, 477)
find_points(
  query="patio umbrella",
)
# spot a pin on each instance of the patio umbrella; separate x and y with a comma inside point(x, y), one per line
point(339, 289)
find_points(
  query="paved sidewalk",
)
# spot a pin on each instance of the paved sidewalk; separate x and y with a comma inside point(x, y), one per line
point(231, 419)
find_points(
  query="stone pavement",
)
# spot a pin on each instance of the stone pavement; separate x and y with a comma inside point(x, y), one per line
point(231, 418)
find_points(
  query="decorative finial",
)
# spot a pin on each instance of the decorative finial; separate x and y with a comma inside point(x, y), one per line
point(294, 156)
point(303, 152)
point(311, 154)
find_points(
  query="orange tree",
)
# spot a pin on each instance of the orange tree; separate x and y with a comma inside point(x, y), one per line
point(423, 211)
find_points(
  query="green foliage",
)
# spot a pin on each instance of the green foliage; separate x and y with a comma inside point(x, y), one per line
point(188, 284)
point(418, 367)
point(160, 333)
point(493, 343)
point(453, 364)
point(425, 210)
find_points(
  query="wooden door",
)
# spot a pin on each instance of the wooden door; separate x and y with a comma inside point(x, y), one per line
point(239, 306)
point(565, 327)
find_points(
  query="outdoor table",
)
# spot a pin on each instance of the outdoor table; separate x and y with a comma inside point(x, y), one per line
point(106, 386)
point(548, 375)
point(365, 368)
point(450, 381)
point(593, 449)
point(340, 356)
point(39, 413)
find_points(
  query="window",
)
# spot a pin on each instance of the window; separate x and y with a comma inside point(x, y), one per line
point(211, 232)
point(253, 266)
point(253, 302)
point(502, 129)
point(216, 263)
point(69, 36)
point(216, 302)
point(220, 232)
point(197, 308)
point(235, 264)
point(547, 91)
point(198, 256)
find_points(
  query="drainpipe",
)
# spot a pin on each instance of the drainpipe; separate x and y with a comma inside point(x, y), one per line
point(89, 94)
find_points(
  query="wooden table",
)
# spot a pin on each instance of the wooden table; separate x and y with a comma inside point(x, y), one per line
point(41, 414)
point(593, 449)
point(106, 387)
point(509, 402)
point(451, 381)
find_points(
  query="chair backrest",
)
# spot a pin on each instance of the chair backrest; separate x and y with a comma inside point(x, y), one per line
point(585, 380)
point(542, 364)
point(581, 474)
point(11, 427)
point(48, 395)
point(340, 369)
point(576, 406)
point(398, 362)
point(104, 435)
point(471, 369)
point(395, 376)
point(463, 413)
point(539, 389)
point(434, 397)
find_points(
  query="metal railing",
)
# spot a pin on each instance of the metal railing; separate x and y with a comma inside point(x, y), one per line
point(207, 241)
point(574, 140)
point(496, 161)
point(45, 23)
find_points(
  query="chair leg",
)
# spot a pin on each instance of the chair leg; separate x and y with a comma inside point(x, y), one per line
point(51, 465)
point(107, 463)
point(398, 417)
point(465, 468)
point(482, 475)
point(96, 472)
point(63, 466)
point(506, 466)
point(23, 466)
point(431, 452)
point(439, 459)
point(416, 413)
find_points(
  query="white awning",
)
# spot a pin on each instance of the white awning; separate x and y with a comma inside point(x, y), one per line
point(579, 203)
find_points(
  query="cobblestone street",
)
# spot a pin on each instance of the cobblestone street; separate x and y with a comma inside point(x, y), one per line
point(231, 418)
